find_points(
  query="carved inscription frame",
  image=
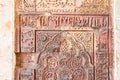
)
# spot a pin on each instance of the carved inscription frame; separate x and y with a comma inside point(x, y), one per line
point(63, 40)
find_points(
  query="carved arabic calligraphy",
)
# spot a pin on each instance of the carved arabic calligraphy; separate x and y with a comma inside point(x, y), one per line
point(83, 6)
point(64, 20)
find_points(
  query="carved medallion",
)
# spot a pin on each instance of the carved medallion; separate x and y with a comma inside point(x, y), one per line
point(63, 40)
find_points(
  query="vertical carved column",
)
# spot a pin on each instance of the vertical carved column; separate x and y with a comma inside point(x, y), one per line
point(57, 40)
point(102, 57)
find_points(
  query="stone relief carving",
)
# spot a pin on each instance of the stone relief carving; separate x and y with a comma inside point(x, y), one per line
point(26, 5)
point(64, 20)
point(63, 6)
point(72, 43)
point(94, 6)
point(57, 50)
point(27, 40)
point(55, 59)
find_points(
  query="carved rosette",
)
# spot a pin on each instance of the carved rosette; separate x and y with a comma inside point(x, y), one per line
point(63, 40)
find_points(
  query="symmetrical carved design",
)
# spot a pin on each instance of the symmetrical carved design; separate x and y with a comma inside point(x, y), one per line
point(61, 50)
point(63, 40)
point(83, 6)
point(64, 54)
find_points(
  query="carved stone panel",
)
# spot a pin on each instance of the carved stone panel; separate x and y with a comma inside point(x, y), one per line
point(66, 53)
point(64, 6)
point(63, 40)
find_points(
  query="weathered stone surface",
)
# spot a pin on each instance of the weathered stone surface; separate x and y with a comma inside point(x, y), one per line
point(6, 32)
point(62, 6)
point(64, 40)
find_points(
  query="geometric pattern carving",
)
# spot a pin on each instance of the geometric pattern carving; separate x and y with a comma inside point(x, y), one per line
point(67, 54)
point(64, 55)
point(63, 40)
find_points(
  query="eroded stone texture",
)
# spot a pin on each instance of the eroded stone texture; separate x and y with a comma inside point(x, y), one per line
point(79, 6)
point(63, 40)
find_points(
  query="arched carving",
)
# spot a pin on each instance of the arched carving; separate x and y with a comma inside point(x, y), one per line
point(63, 40)
point(67, 51)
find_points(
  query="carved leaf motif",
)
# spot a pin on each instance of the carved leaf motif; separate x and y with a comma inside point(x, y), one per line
point(63, 40)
